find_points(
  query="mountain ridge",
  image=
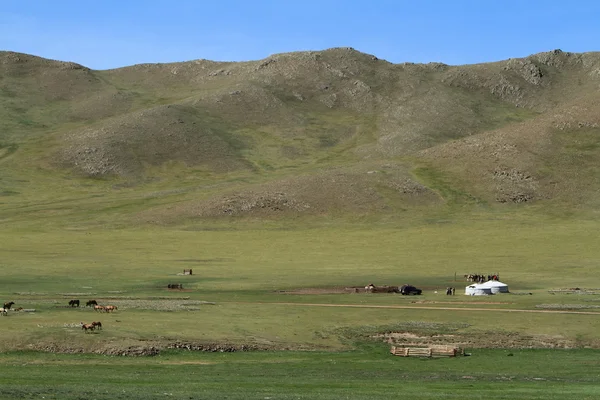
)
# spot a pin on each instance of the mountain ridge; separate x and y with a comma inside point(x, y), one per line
point(494, 131)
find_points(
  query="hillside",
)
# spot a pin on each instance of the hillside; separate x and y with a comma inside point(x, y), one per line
point(334, 132)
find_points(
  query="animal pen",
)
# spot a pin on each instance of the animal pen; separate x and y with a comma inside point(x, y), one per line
point(429, 352)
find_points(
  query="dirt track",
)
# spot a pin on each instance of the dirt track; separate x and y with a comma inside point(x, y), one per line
point(420, 307)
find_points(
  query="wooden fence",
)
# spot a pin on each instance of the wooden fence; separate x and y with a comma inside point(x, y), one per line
point(433, 351)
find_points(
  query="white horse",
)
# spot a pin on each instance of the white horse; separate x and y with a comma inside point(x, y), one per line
point(3, 311)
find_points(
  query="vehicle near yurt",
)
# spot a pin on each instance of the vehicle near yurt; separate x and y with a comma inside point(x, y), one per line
point(408, 290)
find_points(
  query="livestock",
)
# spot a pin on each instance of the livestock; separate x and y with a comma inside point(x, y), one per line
point(74, 303)
point(88, 327)
point(98, 308)
point(97, 324)
point(91, 303)
point(110, 308)
point(8, 305)
point(175, 286)
point(3, 311)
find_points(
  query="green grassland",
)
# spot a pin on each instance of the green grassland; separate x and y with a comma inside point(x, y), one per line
point(493, 374)
point(247, 272)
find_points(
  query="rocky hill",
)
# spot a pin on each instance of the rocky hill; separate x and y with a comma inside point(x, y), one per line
point(333, 132)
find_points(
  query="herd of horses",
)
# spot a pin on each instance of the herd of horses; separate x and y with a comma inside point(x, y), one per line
point(90, 327)
point(93, 303)
point(73, 303)
point(98, 308)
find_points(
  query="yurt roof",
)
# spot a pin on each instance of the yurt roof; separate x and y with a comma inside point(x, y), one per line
point(494, 284)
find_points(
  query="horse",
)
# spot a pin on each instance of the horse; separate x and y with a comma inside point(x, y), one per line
point(98, 308)
point(3, 311)
point(91, 303)
point(88, 327)
point(8, 305)
point(97, 324)
point(110, 308)
point(74, 303)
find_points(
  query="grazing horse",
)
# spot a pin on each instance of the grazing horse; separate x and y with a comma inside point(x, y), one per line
point(91, 303)
point(97, 324)
point(88, 327)
point(98, 308)
point(74, 303)
point(8, 305)
point(110, 308)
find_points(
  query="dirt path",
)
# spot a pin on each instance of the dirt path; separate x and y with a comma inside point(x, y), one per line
point(514, 310)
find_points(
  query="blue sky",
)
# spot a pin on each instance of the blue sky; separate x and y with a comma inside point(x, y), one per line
point(109, 33)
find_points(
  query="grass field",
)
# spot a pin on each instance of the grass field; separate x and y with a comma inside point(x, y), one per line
point(244, 287)
point(363, 374)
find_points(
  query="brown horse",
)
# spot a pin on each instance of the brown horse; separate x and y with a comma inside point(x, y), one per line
point(110, 308)
point(98, 308)
point(97, 324)
point(91, 303)
point(88, 327)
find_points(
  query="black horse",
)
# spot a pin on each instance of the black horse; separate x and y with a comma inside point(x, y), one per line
point(91, 303)
point(8, 305)
point(74, 303)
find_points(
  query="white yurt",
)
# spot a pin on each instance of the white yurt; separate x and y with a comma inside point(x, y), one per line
point(496, 286)
point(477, 290)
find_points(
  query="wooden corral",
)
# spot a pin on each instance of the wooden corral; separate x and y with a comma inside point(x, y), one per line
point(431, 351)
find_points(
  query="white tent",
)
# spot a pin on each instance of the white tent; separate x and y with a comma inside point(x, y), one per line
point(477, 290)
point(496, 286)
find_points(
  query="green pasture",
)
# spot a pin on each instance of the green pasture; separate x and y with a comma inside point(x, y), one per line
point(363, 374)
point(246, 276)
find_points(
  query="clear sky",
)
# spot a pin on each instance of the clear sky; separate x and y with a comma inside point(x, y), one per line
point(105, 34)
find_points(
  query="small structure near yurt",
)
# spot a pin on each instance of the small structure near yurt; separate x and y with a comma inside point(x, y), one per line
point(433, 351)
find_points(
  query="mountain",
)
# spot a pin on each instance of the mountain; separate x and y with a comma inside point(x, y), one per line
point(334, 132)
